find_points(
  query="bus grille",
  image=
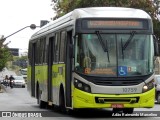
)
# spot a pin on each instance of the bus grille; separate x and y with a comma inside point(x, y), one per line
point(117, 83)
point(117, 100)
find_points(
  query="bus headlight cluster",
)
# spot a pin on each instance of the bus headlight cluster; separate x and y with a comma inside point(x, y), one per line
point(82, 86)
point(148, 86)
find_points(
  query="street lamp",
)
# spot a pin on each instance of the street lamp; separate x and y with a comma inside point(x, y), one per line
point(32, 26)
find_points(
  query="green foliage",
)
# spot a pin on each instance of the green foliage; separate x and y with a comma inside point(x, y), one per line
point(4, 54)
point(24, 58)
point(156, 25)
point(16, 58)
point(4, 57)
point(64, 6)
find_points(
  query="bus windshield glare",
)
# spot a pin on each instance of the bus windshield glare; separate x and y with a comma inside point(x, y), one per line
point(114, 54)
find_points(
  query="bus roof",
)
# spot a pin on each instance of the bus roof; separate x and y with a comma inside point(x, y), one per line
point(111, 12)
point(90, 12)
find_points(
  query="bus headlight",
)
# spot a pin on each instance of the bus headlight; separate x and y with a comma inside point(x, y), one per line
point(148, 86)
point(82, 86)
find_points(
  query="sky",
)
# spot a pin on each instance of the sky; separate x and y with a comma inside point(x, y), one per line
point(17, 14)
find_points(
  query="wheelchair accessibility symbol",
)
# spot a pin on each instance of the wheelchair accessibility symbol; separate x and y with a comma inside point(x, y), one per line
point(122, 70)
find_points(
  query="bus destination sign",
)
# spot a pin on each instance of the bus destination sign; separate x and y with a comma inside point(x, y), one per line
point(117, 24)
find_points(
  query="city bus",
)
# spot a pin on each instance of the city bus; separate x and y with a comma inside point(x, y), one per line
point(96, 57)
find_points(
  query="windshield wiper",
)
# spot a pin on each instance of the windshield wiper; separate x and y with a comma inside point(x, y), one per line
point(129, 40)
point(105, 48)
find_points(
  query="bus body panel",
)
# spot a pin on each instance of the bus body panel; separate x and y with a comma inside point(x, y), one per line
point(103, 89)
point(86, 100)
point(57, 80)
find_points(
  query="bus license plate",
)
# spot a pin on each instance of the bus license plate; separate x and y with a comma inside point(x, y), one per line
point(117, 105)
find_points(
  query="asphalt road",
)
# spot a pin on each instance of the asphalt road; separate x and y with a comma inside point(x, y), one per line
point(18, 102)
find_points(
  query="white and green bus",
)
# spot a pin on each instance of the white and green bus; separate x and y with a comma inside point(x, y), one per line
point(97, 57)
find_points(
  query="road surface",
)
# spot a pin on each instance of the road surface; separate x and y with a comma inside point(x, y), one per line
point(18, 100)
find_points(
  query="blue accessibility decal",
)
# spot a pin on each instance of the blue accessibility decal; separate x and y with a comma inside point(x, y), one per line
point(122, 70)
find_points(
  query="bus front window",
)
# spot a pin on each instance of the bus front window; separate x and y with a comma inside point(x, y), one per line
point(92, 59)
point(137, 56)
point(114, 54)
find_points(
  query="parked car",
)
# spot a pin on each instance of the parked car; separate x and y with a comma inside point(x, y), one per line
point(19, 81)
point(157, 86)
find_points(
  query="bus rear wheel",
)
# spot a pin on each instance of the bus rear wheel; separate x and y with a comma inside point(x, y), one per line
point(41, 103)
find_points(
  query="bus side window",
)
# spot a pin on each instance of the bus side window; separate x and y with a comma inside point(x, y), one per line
point(37, 52)
point(30, 53)
point(41, 50)
point(62, 46)
point(44, 51)
point(56, 48)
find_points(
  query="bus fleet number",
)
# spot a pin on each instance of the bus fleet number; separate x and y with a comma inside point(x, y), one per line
point(129, 90)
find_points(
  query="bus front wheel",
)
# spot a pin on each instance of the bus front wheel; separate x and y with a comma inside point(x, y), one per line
point(158, 98)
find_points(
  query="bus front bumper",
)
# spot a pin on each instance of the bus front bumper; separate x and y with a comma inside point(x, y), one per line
point(83, 99)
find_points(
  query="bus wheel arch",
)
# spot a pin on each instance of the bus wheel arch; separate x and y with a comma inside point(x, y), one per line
point(41, 103)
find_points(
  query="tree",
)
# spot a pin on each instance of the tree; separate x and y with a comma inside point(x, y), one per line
point(4, 53)
point(64, 6)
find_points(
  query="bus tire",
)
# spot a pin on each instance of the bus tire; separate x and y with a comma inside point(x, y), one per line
point(158, 98)
point(41, 103)
point(128, 110)
point(62, 101)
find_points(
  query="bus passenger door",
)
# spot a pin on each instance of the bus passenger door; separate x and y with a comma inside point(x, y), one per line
point(68, 69)
point(50, 63)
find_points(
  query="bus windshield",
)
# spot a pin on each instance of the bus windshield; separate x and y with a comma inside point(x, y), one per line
point(114, 54)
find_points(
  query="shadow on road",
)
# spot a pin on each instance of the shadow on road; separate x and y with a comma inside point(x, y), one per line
point(82, 113)
point(96, 113)
point(91, 113)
